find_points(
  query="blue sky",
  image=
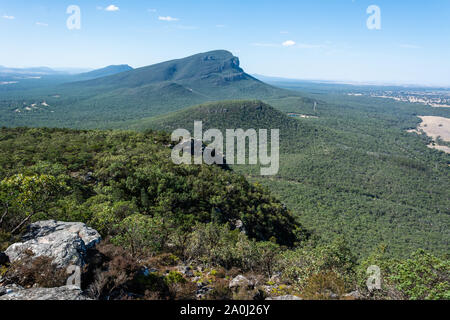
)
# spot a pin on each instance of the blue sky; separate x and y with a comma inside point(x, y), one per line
point(313, 39)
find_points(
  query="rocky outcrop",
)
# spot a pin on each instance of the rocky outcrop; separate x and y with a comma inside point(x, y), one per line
point(240, 282)
point(65, 242)
point(61, 293)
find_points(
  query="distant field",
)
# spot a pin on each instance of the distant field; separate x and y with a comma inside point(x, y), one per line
point(436, 127)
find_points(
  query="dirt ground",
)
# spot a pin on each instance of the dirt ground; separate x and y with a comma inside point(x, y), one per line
point(435, 127)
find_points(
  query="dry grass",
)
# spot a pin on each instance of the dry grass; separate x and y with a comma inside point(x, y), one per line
point(435, 127)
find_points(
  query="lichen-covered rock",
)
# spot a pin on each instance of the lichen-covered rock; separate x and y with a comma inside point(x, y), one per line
point(240, 282)
point(61, 293)
point(65, 242)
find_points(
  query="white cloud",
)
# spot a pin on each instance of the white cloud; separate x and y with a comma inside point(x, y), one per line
point(288, 43)
point(8, 17)
point(284, 32)
point(168, 18)
point(220, 26)
point(42, 24)
point(151, 10)
point(112, 8)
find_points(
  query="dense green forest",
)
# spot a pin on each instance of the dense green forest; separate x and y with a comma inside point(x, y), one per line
point(354, 188)
point(152, 212)
point(133, 172)
point(347, 172)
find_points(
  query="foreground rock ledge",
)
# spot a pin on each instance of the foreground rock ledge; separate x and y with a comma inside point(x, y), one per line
point(65, 242)
point(62, 293)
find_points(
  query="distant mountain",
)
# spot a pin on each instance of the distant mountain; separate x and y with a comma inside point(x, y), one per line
point(104, 72)
point(165, 87)
point(120, 100)
point(36, 71)
point(215, 67)
point(43, 78)
point(78, 74)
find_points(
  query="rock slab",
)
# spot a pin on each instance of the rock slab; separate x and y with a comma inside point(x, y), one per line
point(65, 242)
point(61, 293)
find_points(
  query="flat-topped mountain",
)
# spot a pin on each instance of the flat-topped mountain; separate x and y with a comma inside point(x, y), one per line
point(218, 67)
point(158, 89)
point(119, 96)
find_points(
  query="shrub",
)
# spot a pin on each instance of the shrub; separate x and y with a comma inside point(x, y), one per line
point(114, 275)
point(142, 235)
point(220, 291)
point(3, 270)
point(324, 286)
point(22, 197)
point(179, 287)
point(379, 257)
point(166, 259)
point(423, 276)
point(106, 213)
point(174, 277)
point(216, 245)
point(268, 254)
point(40, 271)
point(298, 265)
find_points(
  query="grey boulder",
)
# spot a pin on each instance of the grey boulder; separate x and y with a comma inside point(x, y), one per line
point(240, 282)
point(65, 242)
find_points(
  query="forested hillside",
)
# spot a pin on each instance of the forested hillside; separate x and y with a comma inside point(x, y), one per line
point(132, 172)
point(157, 218)
point(351, 171)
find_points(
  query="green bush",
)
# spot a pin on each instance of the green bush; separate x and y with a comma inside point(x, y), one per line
point(217, 245)
point(298, 265)
point(422, 277)
point(174, 277)
point(142, 235)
